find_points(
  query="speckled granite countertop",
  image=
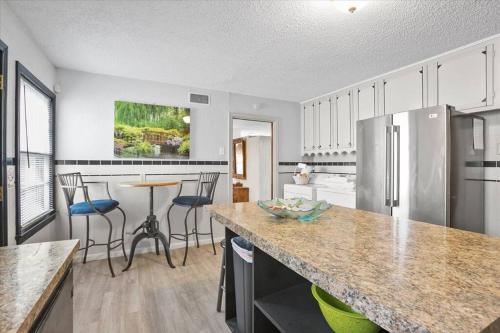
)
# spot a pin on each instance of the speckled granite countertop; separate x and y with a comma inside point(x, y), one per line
point(28, 276)
point(406, 276)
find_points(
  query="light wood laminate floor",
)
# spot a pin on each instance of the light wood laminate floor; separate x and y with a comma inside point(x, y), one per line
point(150, 296)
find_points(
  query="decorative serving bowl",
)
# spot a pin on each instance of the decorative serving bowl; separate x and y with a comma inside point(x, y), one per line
point(296, 208)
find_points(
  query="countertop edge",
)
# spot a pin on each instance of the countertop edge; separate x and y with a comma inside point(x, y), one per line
point(372, 310)
point(45, 295)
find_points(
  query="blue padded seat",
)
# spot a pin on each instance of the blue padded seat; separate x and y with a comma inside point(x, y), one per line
point(102, 206)
point(190, 200)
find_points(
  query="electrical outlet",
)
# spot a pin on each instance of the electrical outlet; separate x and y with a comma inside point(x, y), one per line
point(221, 151)
point(498, 148)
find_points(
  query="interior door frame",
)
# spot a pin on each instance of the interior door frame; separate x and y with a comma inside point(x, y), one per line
point(3, 136)
point(274, 150)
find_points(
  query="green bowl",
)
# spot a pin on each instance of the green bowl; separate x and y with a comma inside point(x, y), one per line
point(297, 208)
point(339, 316)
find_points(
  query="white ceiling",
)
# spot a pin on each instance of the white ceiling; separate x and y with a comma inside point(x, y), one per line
point(291, 50)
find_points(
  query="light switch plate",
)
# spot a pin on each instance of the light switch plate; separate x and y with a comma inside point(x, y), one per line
point(498, 148)
point(221, 151)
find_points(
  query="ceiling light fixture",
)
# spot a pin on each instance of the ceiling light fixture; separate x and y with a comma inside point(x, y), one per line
point(348, 6)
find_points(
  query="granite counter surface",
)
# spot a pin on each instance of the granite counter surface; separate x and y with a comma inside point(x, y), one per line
point(404, 275)
point(28, 276)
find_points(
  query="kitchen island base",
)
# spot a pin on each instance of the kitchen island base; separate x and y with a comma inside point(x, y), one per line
point(282, 299)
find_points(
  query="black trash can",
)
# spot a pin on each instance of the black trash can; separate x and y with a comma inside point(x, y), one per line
point(243, 266)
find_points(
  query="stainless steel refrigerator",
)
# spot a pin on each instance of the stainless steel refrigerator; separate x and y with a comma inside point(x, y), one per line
point(425, 165)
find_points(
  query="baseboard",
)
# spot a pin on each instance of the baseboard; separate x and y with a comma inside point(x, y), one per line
point(144, 249)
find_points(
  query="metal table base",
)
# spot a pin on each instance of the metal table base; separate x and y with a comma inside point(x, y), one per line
point(150, 229)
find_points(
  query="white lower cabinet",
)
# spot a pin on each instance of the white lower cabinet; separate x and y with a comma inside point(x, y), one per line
point(462, 78)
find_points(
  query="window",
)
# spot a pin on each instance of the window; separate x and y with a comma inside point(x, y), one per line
point(35, 105)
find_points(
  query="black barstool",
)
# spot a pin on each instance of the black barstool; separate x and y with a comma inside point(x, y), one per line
point(222, 275)
point(70, 183)
point(205, 191)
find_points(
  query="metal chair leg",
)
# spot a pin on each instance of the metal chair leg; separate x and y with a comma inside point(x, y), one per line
point(86, 241)
point(123, 233)
point(196, 227)
point(212, 235)
point(70, 227)
point(168, 221)
point(109, 244)
point(187, 237)
point(221, 280)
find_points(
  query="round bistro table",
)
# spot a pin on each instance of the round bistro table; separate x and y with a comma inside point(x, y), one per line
point(150, 227)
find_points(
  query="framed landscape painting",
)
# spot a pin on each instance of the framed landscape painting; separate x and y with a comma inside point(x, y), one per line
point(151, 131)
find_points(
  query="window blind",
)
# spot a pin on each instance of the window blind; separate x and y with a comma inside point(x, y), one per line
point(36, 174)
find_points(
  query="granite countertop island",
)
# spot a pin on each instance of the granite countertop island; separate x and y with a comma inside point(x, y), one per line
point(406, 276)
point(28, 276)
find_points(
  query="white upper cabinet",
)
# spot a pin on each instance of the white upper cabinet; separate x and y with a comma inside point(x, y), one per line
point(462, 78)
point(325, 130)
point(365, 101)
point(403, 91)
point(308, 136)
point(344, 110)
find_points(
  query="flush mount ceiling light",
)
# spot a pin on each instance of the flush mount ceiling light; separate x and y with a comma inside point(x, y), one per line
point(348, 6)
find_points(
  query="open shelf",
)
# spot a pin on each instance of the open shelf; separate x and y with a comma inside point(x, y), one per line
point(293, 310)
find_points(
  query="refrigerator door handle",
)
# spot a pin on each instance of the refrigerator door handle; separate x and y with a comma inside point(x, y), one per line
point(396, 151)
point(388, 166)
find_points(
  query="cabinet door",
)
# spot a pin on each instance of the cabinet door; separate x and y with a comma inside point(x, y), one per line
point(366, 102)
point(316, 121)
point(308, 127)
point(324, 115)
point(462, 79)
point(365, 99)
point(344, 120)
point(403, 91)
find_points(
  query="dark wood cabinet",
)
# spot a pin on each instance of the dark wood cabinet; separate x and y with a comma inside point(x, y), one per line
point(57, 316)
point(241, 194)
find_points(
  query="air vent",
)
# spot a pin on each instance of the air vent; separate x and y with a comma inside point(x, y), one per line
point(199, 99)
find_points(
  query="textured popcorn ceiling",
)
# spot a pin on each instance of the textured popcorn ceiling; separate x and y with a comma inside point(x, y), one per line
point(287, 50)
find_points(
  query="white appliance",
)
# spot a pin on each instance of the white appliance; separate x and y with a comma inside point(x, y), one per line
point(337, 197)
point(334, 189)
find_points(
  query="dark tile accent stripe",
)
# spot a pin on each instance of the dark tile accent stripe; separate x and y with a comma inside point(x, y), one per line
point(136, 162)
point(10, 160)
point(486, 164)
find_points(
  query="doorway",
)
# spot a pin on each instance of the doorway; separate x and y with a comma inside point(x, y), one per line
point(252, 166)
point(3, 118)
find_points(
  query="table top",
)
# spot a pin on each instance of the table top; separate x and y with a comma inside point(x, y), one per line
point(29, 275)
point(404, 275)
point(149, 183)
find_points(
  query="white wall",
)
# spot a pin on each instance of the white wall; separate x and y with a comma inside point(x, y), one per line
point(21, 47)
point(85, 121)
